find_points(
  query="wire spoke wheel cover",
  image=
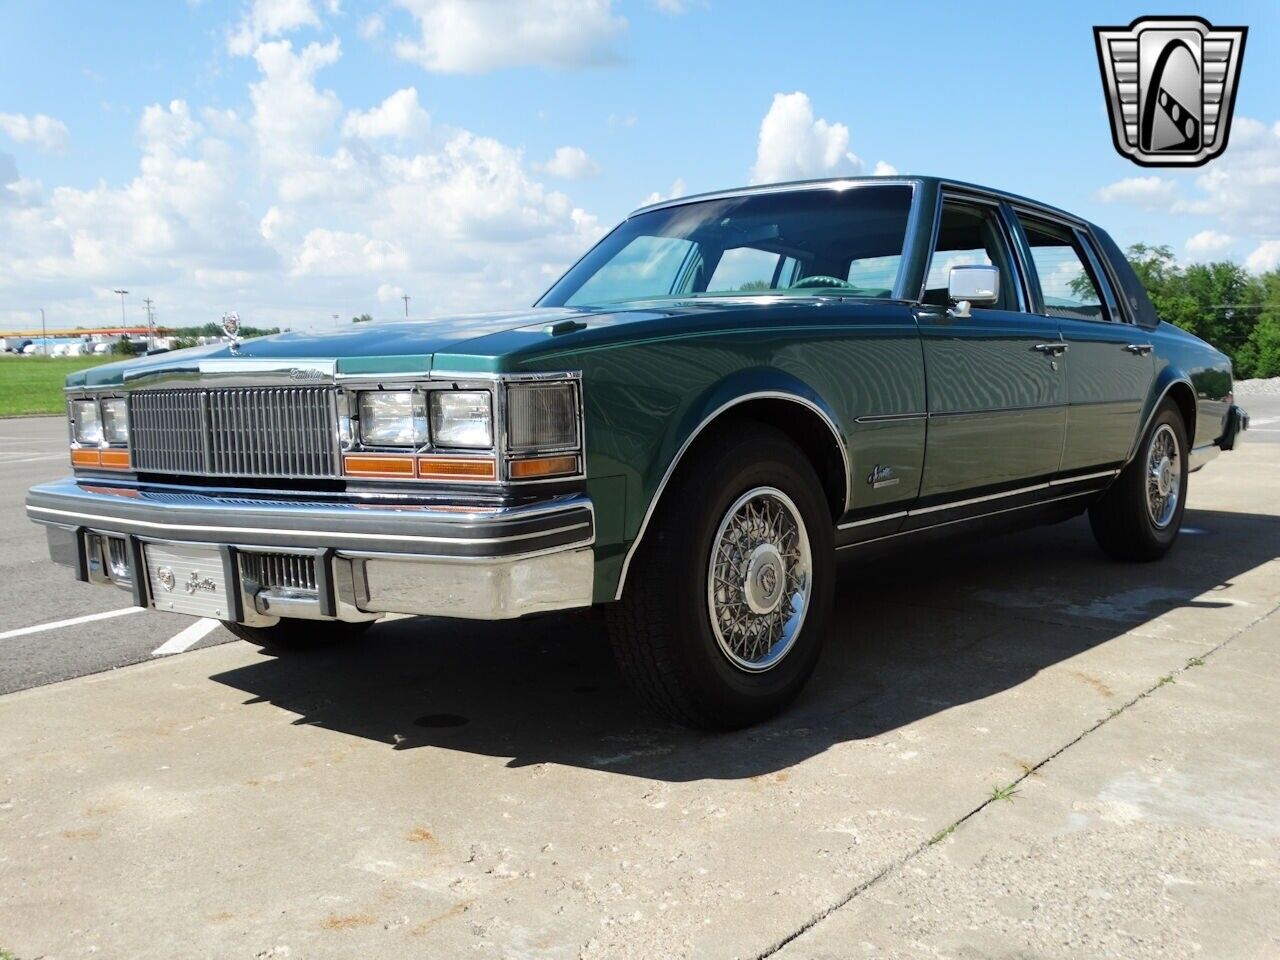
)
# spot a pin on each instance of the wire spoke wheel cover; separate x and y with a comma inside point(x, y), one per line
point(760, 579)
point(1164, 476)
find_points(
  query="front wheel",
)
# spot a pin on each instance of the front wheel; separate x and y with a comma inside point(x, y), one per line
point(1139, 517)
point(726, 608)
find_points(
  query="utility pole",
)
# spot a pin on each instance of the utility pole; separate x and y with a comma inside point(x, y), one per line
point(123, 321)
point(44, 333)
point(151, 322)
point(405, 298)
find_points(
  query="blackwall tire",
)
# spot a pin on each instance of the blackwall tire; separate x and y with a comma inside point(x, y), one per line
point(727, 603)
point(1138, 519)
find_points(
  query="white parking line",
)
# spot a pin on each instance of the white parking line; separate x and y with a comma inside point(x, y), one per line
point(187, 637)
point(58, 624)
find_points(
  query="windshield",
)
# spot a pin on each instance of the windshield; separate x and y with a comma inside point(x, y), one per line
point(793, 243)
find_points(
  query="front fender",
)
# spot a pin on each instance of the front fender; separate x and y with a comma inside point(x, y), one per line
point(705, 408)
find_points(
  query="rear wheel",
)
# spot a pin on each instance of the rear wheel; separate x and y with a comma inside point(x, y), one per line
point(291, 635)
point(725, 610)
point(1139, 517)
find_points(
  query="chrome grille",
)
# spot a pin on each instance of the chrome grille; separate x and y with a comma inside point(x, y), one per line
point(279, 571)
point(238, 432)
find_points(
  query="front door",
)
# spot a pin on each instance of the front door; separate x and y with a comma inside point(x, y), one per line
point(996, 389)
point(1109, 363)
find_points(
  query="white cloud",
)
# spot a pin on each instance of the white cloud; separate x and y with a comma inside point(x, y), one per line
point(44, 131)
point(475, 36)
point(1266, 257)
point(570, 163)
point(885, 169)
point(291, 117)
point(673, 7)
point(334, 252)
point(399, 117)
point(170, 127)
point(371, 27)
point(1242, 187)
point(270, 18)
point(1152, 192)
point(677, 190)
point(796, 146)
point(1208, 242)
point(275, 215)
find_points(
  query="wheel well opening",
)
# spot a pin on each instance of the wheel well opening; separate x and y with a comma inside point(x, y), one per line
point(1185, 400)
point(809, 431)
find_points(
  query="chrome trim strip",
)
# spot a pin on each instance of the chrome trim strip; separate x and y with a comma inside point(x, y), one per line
point(891, 417)
point(869, 520)
point(693, 435)
point(952, 504)
point(1062, 481)
point(977, 516)
point(1197, 457)
point(322, 534)
point(838, 183)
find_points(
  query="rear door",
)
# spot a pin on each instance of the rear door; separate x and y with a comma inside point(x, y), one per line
point(1109, 363)
point(996, 392)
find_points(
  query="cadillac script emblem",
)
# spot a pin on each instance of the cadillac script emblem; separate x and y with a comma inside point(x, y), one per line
point(1170, 84)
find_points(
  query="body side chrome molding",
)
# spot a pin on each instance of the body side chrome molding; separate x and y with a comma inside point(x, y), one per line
point(696, 432)
point(953, 504)
point(977, 516)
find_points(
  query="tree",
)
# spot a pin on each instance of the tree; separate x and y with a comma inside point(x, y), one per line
point(1263, 347)
point(363, 318)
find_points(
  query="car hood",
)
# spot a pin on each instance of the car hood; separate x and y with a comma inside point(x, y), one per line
point(471, 343)
point(356, 348)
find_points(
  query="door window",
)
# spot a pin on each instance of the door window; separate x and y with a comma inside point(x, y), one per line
point(1069, 287)
point(970, 234)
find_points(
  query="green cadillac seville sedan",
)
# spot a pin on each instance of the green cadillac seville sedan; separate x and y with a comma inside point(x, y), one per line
point(723, 394)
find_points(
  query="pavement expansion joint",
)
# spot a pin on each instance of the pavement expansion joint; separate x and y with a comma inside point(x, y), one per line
point(1201, 659)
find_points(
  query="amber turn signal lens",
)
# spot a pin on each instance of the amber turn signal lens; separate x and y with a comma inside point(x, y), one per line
point(543, 467)
point(378, 466)
point(457, 468)
point(116, 459)
point(86, 458)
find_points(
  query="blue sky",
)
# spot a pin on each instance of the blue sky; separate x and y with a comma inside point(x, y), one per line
point(293, 159)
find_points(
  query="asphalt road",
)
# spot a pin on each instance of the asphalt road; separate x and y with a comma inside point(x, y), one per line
point(40, 595)
point(1011, 747)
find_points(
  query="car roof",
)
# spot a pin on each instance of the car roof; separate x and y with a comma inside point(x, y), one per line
point(841, 183)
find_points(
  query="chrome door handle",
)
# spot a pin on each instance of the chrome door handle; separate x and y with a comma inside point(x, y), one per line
point(1052, 349)
point(1139, 349)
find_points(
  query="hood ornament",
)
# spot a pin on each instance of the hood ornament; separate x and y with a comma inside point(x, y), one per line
point(231, 327)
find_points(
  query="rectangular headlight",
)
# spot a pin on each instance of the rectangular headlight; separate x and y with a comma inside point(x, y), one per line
point(86, 425)
point(542, 416)
point(461, 418)
point(115, 420)
point(395, 418)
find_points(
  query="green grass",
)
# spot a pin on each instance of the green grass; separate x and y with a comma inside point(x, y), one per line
point(1004, 793)
point(34, 384)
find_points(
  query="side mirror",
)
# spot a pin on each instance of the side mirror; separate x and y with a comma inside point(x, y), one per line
point(968, 285)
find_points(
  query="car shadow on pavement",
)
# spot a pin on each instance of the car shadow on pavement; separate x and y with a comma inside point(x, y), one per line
point(913, 634)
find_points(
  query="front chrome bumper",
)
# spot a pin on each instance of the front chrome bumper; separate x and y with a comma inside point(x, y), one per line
point(450, 559)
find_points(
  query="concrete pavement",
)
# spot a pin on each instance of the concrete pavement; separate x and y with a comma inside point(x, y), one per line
point(490, 790)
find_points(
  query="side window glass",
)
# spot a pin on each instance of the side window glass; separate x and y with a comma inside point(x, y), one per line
point(970, 234)
point(1067, 284)
point(744, 269)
